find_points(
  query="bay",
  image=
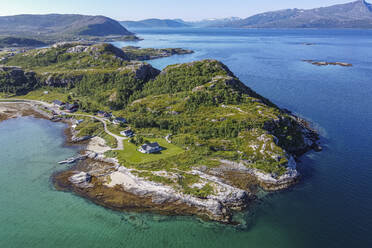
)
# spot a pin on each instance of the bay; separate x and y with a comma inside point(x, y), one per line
point(331, 207)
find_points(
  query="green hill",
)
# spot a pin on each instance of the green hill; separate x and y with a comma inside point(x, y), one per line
point(20, 42)
point(57, 25)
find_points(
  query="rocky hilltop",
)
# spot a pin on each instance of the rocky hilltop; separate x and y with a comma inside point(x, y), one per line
point(216, 139)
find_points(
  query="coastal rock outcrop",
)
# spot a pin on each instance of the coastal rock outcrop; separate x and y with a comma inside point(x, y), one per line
point(217, 206)
point(81, 179)
point(61, 80)
point(267, 181)
point(142, 71)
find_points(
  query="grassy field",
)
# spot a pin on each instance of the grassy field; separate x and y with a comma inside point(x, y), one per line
point(131, 155)
point(53, 94)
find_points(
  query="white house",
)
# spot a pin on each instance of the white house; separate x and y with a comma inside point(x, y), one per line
point(119, 120)
point(127, 133)
point(78, 122)
point(150, 148)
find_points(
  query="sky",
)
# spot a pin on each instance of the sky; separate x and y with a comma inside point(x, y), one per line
point(164, 9)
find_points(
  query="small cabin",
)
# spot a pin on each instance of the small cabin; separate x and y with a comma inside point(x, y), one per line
point(150, 148)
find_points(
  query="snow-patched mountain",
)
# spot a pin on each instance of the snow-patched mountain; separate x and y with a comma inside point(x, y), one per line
point(155, 23)
point(214, 22)
point(356, 14)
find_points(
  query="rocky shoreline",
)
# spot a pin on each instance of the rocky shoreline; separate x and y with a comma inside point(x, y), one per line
point(107, 188)
point(107, 183)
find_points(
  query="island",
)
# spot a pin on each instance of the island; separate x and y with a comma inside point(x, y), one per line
point(325, 63)
point(191, 139)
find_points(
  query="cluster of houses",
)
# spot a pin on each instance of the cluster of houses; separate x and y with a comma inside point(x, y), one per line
point(69, 107)
point(116, 120)
point(147, 148)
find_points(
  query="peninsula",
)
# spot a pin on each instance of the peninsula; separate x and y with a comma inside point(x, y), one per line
point(191, 139)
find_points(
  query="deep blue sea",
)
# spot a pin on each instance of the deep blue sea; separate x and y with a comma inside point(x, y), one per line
point(330, 207)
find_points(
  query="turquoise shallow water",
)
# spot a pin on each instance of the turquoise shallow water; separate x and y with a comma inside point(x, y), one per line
point(33, 214)
point(331, 207)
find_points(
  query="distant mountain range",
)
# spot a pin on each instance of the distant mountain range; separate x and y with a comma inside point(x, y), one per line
point(177, 23)
point(155, 23)
point(356, 14)
point(60, 25)
point(214, 22)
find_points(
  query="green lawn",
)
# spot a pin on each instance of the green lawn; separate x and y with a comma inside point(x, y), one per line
point(131, 155)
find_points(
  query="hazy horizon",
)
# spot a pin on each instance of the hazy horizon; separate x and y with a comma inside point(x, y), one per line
point(191, 10)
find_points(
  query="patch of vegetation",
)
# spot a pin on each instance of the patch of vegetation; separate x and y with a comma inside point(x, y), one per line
point(71, 56)
point(49, 94)
point(203, 192)
point(20, 42)
point(94, 127)
point(155, 178)
point(276, 168)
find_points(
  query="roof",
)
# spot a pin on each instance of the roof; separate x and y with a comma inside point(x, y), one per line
point(120, 119)
point(149, 146)
point(104, 113)
point(71, 106)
